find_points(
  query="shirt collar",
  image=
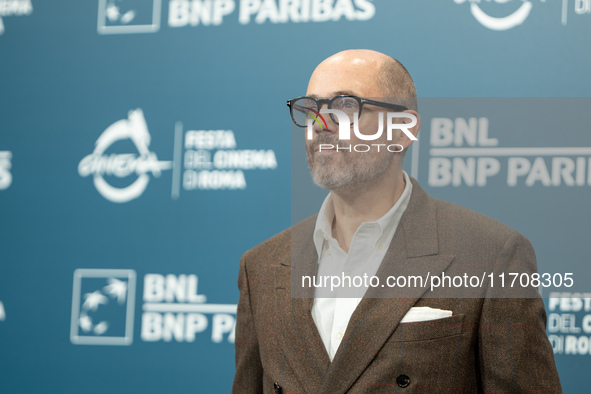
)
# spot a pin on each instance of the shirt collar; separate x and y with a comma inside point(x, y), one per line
point(386, 225)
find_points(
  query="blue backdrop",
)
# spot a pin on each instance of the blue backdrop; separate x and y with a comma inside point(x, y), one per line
point(145, 145)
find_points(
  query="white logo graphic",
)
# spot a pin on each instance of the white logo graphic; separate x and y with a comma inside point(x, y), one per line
point(2, 312)
point(102, 307)
point(143, 16)
point(581, 7)
point(128, 16)
point(14, 8)
point(516, 18)
point(174, 310)
point(212, 162)
point(212, 12)
point(569, 323)
point(5, 166)
point(123, 165)
point(463, 154)
point(345, 128)
point(103, 303)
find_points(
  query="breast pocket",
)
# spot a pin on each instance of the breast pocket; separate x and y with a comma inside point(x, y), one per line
point(431, 329)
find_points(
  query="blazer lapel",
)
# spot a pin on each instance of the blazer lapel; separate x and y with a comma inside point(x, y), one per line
point(298, 335)
point(412, 252)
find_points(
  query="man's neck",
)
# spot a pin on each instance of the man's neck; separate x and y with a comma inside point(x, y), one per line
point(351, 209)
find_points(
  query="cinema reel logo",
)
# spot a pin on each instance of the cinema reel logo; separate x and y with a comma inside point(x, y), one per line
point(344, 121)
point(101, 164)
point(515, 17)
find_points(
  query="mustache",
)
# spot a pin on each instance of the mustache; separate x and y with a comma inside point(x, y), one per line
point(326, 138)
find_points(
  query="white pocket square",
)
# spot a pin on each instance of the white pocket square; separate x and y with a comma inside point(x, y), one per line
point(424, 313)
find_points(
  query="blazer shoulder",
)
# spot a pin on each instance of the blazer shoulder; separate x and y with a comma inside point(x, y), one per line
point(456, 223)
point(474, 225)
point(278, 247)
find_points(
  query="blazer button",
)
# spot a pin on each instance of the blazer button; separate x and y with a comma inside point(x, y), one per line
point(277, 388)
point(403, 381)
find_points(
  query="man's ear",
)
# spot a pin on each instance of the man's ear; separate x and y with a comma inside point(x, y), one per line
point(404, 139)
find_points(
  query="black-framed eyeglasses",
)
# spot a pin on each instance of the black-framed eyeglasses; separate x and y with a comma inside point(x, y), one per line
point(304, 108)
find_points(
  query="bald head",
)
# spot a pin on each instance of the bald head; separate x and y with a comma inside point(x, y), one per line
point(365, 73)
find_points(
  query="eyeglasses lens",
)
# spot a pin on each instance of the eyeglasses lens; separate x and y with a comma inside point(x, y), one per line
point(302, 110)
point(348, 105)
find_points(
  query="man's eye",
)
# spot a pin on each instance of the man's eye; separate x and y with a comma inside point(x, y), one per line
point(346, 104)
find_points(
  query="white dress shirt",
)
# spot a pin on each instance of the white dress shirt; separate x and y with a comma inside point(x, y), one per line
point(366, 252)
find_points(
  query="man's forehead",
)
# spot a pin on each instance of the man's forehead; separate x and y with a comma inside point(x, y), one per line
point(351, 72)
point(335, 93)
point(346, 85)
point(355, 57)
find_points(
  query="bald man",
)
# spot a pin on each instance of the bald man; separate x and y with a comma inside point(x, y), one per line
point(294, 336)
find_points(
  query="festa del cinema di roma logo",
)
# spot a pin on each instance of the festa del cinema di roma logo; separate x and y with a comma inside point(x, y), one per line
point(122, 163)
point(100, 164)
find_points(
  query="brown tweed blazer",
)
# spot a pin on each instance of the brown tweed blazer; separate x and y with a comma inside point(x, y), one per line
point(488, 345)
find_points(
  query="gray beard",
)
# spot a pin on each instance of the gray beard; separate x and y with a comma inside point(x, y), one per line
point(359, 170)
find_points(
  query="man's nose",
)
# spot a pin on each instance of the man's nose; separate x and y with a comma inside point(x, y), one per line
point(326, 123)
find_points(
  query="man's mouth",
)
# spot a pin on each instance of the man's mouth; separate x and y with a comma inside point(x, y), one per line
point(322, 148)
point(329, 148)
